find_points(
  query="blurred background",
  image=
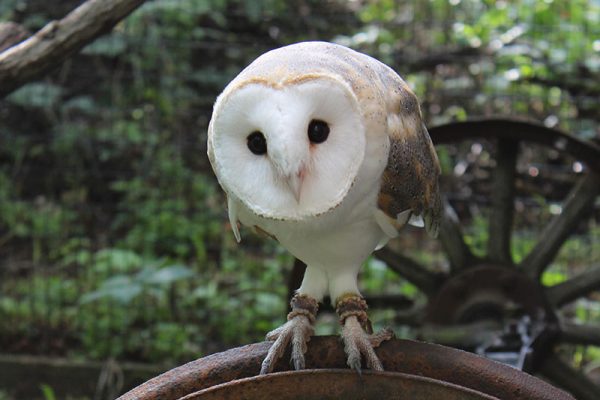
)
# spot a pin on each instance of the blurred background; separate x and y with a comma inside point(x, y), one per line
point(115, 252)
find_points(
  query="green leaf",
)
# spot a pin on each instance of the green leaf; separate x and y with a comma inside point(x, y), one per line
point(42, 95)
point(120, 288)
point(119, 260)
point(551, 278)
point(169, 274)
point(205, 291)
point(110, 46)
point(48, 392)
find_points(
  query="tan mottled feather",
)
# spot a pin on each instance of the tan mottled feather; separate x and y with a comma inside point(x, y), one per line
point(410, 179)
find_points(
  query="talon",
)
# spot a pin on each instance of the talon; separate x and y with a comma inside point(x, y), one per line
point(265, 367)
point(354, 360)
point(298, 362)
point(353, 316)
point(296, 330)
point(385, 334)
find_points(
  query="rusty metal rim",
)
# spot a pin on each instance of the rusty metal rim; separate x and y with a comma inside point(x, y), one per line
point(410, 357)
point(337, 383)
point(520, 130)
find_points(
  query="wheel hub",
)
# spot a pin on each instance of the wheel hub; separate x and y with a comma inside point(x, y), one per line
point(487, 292)
point(508, 307)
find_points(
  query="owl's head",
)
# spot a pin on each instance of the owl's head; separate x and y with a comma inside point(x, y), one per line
point(288, 148)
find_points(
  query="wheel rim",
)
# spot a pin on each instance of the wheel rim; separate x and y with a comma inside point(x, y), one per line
point(412, 368)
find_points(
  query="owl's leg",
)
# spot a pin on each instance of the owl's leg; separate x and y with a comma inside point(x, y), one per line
point(357, 332)
point(299, 327)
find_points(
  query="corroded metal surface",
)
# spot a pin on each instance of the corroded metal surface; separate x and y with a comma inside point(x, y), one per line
point(337, 384)
point(435, 362)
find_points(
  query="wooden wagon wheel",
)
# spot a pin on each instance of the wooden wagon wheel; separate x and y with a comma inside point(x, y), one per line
point(477, 290)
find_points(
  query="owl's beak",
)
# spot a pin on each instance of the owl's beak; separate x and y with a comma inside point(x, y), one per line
point(295, 181)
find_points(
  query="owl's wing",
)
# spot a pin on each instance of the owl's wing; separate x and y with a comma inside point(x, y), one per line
point(409, 190)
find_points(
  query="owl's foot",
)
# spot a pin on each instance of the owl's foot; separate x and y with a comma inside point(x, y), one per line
point(297, 330)
point(352, 311)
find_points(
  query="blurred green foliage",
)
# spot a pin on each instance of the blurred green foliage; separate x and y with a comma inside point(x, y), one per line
point(113, 236)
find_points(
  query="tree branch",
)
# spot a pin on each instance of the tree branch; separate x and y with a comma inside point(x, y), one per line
point(11, 34)
point(58, 40)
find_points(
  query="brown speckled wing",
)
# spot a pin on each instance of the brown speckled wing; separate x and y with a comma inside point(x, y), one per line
point(410, 179)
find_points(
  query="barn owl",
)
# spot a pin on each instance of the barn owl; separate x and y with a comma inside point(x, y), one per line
point(324, 149)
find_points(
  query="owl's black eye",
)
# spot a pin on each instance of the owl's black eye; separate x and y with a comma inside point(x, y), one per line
point(318, 131)
point(257, 143)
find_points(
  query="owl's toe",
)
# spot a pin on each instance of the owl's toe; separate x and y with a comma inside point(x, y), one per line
point(357, 342)
point(377, 338)
point(297, 331)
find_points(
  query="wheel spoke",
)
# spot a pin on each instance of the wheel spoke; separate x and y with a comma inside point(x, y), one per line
point(412, 317)
point(502, 201)
point(565, 376)
point(584, 334)
point(460, 335)
point(578, 205)
point(576, 287)
point(412, 271)
point(451, 237)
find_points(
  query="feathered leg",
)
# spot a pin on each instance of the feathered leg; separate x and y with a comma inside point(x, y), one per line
point(297, 330)
point(357, 333)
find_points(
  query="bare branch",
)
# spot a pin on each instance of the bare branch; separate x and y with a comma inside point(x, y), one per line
point(58, 40)
point(11, 34)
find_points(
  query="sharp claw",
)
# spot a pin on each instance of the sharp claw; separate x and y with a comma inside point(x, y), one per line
point(297, 331)
point(374, 363)
point(354, 362)
point(298, 362)
point(358, 342)
point(265, 367)
point(355, 365)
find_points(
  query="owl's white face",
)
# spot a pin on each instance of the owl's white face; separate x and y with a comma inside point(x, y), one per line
point(288, 152)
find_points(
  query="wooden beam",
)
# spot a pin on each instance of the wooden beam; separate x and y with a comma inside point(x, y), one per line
point(22, 375)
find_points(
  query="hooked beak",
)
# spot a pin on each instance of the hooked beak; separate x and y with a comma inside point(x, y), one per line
point(295, 181)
